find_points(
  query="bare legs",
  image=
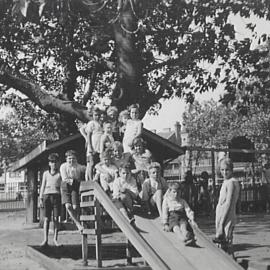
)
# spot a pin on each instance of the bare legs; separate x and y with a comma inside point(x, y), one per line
point(46, 227)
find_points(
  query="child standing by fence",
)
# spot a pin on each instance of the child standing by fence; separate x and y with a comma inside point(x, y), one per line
point(226, 207)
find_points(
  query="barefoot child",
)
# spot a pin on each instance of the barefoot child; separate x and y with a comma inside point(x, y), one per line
point(133, 128)
point(50, 197)
point(106, 171)
point(125, 192)
point(153, 189)
point(176, 214)
point(226, 207)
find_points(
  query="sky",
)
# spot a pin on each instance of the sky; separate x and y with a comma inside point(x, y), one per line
point(172, 110)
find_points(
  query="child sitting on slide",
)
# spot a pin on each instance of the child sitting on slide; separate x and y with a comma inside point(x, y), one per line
point(153, 189)
point(125, 192)
point(177, 214)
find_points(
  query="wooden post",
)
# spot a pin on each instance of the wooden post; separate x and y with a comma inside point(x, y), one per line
point(213, 170)
point(32, 195)
point(98, 233)
point(84, 250)
point(128, 252)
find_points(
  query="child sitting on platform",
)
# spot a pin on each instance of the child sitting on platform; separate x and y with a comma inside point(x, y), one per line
point(119, 157)
point(125, 192)
point(142, 158)
point(106, 171)
point(176, 215)
point(153, 189)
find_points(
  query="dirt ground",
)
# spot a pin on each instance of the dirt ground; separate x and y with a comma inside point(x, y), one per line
point(251, 241)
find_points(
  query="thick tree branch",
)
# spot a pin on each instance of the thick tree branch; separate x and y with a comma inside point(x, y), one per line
point(40, 97)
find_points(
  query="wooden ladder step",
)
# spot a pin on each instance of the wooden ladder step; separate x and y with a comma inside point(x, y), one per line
point(89, 231)
point(87, 204)
point(87, 217)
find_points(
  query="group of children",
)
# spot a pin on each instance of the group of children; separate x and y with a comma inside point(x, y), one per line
point(118, 159)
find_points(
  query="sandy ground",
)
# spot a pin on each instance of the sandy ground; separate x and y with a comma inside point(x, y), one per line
point(251, 240)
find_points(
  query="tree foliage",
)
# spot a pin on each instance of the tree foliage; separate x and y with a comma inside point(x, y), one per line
point(212, 124)
point(62, 54)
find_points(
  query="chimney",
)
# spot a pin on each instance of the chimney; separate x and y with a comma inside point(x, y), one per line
point(177, 131)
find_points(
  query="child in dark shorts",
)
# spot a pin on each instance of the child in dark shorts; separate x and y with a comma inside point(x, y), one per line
point(50, 197)
point(177, 215)
point(72, 174)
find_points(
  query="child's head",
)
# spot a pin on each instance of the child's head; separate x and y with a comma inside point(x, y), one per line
point(154, 170)
point(134, 111)
point(71, 157)
point(226, 168)
point(124, 171)
point(106, 157)
point(118, 149)
point(107, 127)
point(124, 116)
point(112, 113)
point(96, 114)
point(53, 160)
point(138, 145)
point(174, 190)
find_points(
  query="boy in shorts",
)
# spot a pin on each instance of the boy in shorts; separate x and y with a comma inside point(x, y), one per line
point(72, 174)
point(50, 197)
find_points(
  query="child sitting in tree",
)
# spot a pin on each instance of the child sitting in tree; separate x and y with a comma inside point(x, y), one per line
point(153, 189)
point(106, 139)
point(125, 192)
point(133, 128)
point(226, 207)
point(142, 158)
point(106, 171)
point(176, 214)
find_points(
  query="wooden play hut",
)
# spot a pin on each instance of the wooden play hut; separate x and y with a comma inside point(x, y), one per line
point(35, 163)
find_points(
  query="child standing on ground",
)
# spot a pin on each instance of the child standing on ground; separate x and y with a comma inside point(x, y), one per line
point(226, 207)
point(50, 197)
point(133, 128)
point(142, 158)
point(153, 189)
point(106, 139)
point(176, 214)
point(125, 192)
point(106, 171)
point(92, 132)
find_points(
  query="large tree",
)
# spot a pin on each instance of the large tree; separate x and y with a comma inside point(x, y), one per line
point(62, 53)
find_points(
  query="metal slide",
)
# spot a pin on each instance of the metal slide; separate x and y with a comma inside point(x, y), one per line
point(162, 250)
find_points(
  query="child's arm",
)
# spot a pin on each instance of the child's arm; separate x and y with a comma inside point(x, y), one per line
point(139, 129)
point(165, 215)
point(42, 189)
point(116, 189)
point(65, 177)
point(102, 143)
point(83, 131)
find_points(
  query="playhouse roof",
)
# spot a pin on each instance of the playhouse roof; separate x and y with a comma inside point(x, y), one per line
point(162, 149)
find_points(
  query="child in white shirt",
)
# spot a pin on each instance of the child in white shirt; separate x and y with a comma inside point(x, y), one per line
point(176, 214)
point(125, 192)
point(133, 128)
point(106, 139)
point(153, 189)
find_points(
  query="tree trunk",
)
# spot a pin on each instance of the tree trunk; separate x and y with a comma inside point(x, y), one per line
point(127, 90)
